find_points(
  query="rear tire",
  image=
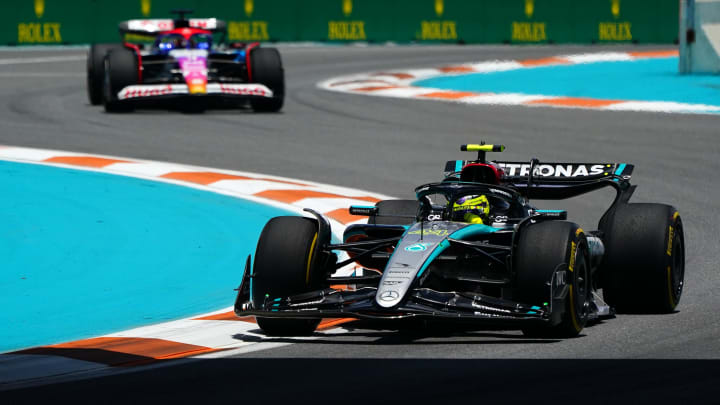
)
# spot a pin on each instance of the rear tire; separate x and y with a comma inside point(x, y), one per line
point(282, 268)
point(644, 265)
point(266, 68)
point(542, 248)
point(395, 212)
point(121, 70)
point(96, 71)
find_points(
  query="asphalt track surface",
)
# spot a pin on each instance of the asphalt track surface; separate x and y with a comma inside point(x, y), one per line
point(390, 146)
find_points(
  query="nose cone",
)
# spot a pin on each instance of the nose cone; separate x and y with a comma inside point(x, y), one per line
point(197, 85)
point(193, 64)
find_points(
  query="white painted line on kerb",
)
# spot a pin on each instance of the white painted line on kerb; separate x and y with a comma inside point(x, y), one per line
point(44, 59)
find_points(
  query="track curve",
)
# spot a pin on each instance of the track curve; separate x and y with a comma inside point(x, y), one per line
point(390, 146)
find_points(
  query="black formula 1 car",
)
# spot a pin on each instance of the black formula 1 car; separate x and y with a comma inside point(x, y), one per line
point(519, 267)
point(187, 65)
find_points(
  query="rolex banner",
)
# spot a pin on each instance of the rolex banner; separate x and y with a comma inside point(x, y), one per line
point(29, 22)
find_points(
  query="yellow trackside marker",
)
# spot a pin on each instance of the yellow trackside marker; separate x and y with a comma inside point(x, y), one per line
point(529, 8)
point(671, 233)
point(145, 7)
point(615, 8)
point(39, 8)
point(307, 270)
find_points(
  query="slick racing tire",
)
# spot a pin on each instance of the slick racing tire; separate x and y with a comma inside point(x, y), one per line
point(121, 70)
point(266, 68)
point(643, 268)
point(542, 249)
point(395, 212)
point(96, 71)
point(282, 268)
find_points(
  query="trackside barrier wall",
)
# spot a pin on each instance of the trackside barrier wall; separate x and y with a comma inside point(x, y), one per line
point(27, 22)
point(700, 36)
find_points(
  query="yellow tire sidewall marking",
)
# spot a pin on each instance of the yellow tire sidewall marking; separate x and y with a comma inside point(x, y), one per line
point(309, 260)
point(573, 254)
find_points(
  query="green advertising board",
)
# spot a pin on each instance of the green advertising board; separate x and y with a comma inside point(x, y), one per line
point(28, 22)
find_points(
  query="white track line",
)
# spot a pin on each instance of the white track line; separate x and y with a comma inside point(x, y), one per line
point(44, 59)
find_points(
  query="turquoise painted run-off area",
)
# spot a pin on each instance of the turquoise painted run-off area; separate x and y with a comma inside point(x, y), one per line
point(640, 80)
point(86, 253)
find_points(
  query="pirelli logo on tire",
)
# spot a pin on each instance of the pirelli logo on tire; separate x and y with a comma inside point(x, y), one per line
point(573, 248)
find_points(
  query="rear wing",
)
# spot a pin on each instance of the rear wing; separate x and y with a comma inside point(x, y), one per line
point(551, 171)
point(151, 27)
point(556, 181)
point(553, 180)
point(565, 172)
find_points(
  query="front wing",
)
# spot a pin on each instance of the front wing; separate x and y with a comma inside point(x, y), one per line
point(229, 90)
point(418, 303)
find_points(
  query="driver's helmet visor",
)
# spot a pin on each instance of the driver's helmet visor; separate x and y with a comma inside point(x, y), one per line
point(200, 41)
point(166, 43)
point(471, 208)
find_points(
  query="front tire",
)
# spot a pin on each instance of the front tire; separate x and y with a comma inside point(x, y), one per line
point(266, 68)
point(542, 249)
point(121, 70)
point(644, 265)
point(283, 268)
point(96, 71)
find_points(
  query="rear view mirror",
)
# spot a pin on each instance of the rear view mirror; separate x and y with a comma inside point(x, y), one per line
point(362, 210)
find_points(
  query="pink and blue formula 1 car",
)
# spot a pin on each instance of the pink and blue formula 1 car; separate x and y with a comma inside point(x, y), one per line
point(188, 65)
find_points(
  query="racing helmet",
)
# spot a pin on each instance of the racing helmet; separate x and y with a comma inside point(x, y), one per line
point(200, 41)
point(167, 43)
point(474, 209)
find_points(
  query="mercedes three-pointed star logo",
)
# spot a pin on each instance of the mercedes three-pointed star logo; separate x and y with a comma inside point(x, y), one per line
point(389, 295)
